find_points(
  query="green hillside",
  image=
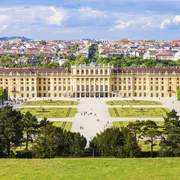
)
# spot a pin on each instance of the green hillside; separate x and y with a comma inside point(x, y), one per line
point(87, 169)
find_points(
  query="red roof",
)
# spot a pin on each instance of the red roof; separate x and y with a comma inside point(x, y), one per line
point(165, 55)
point(176, 41)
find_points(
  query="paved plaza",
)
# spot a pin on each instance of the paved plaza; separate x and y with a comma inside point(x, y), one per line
point(92, 114)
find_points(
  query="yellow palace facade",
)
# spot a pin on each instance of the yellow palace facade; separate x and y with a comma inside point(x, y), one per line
point(92, 80)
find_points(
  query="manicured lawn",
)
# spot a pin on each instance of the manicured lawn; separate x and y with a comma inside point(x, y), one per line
point(90, 169)
point(133, 102)
point(138, 112)
point(50, 103)
point(64, 125)
point(118, 124)
point(146, 147)
point(50, 112)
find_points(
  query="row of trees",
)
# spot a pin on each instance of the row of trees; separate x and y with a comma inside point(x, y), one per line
point(44, 140)
point(8, 61)
point(125, 143)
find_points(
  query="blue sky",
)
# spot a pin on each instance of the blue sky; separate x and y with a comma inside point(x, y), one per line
point(97, 19)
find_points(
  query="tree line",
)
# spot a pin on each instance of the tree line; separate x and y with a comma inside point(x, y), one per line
point(46, 140)
point(125, 62)
point(41, 139)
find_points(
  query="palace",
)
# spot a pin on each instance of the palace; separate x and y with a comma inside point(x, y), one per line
point(91, 81)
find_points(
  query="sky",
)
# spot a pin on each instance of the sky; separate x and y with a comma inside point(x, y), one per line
point(94, 19)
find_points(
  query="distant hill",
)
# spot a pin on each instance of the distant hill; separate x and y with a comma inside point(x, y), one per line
point(14, 37)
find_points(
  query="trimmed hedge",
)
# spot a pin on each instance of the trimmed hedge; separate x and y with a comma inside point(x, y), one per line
point(178, 95)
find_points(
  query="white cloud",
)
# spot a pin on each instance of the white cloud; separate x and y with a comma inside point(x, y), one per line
point(168, 22)
point(3, 18)
point(4, 27)
point(68, 31)
point(87, 12)
point(121, 25)
point(165, 23)
point(58, 17)
point(176, 20)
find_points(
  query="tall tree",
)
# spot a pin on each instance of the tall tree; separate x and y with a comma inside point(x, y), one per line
point(45, 145)
point(30, 124)
point(113, 142)
point(11, 128)
point(170, 143)
point(44, 122)
point(136, 128)
point(150, 132)
point(75, 143)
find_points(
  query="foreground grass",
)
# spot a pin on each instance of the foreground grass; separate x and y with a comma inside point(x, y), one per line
point(133, 102)
point(64, 125)
point(90, 169)
point(138, 112)
point(50, 112)
point(50, 103)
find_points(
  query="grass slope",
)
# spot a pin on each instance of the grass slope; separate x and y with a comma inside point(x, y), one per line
point(50, 112)
point(50, 103)
point(133, 102)
point(90, 169)
point(137, 112)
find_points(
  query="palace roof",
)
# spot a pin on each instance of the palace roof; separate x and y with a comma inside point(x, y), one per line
point(146, 70)
point(61, 71)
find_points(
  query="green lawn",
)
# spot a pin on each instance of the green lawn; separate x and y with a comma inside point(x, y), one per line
point(65, 125)
point(90, 169)
point(118, 124)
point(138, 112)
point(133, 102)
point(50, 112)
point(50, 103)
